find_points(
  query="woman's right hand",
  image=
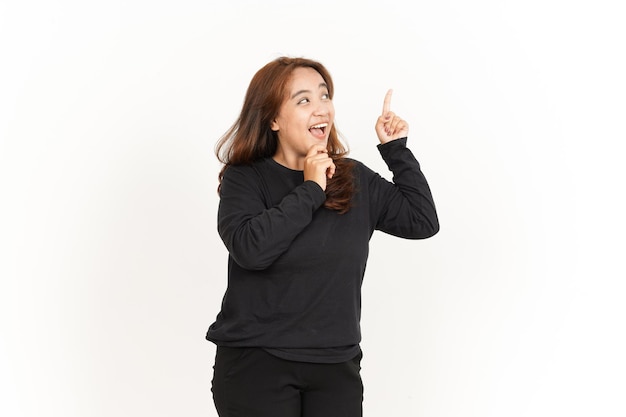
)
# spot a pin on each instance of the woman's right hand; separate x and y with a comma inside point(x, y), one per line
point(318, 166)
point(389, 126)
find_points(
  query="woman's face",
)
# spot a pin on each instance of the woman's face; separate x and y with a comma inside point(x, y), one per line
point(305, 117)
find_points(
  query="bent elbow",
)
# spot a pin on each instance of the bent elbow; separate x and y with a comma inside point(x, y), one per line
point(431, 226)
point(250, 260)
point(427, 228)
point(434, 229)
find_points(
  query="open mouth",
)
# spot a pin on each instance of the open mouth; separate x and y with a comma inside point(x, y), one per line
point(319, 130)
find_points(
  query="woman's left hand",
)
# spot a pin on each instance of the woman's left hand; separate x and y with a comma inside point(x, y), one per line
point(389, 126)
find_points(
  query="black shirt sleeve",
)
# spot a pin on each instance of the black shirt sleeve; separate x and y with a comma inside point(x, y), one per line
point(254, 232)
point(404, 208)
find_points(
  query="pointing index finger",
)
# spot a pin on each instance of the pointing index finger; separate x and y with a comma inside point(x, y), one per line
point(387, 102)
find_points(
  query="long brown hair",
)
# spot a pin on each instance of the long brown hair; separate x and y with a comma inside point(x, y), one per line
point(251, 138)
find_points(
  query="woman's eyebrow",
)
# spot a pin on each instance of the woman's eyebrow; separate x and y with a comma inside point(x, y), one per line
point(322, 85)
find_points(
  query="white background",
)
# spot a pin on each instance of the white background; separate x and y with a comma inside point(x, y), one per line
point(111, 267)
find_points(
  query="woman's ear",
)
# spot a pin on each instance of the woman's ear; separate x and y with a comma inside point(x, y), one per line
point(274, 126)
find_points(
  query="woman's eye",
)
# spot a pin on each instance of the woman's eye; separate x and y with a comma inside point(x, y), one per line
point(325, 96)
point(304, 100)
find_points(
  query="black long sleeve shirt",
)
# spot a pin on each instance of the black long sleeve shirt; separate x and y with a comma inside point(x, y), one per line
point(295, 268)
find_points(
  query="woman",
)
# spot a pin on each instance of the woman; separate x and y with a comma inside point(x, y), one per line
point(296, 216)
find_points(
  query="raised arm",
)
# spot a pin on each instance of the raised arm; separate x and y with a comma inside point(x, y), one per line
point(404, 207)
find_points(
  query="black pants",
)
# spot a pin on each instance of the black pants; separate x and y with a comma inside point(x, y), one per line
point(249, 382)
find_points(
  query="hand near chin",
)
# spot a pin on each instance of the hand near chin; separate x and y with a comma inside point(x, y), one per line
point(389, 126)
point(318, 166)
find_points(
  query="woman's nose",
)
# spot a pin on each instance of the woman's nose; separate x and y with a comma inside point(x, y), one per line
point(323, 108)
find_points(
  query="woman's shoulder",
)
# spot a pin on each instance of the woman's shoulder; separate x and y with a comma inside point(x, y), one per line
point(239, 176)
point(244, 169)
point(262, 172)
point(359, 167)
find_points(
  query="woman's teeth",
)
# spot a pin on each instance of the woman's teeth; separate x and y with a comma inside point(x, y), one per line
point(318, 130)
